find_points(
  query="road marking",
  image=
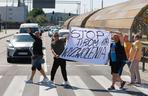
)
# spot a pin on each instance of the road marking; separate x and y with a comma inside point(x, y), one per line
point(45, 64)
point(82, 65)
point(106, 83)
point(16, 86)
point(141, 88)
point(5, 65)
point(0, 76)
point(47, 89)
point(79, 88)
point(99, 65)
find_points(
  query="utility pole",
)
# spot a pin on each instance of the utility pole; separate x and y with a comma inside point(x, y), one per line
point(6, 17)
point(102, 4)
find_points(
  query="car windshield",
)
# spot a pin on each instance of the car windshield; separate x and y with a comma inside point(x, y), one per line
point(24, 30)
point(23, 38)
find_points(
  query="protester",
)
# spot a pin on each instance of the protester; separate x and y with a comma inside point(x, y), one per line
point(135, 57)
point(37, 56)
point(127, 47)
point(116, 56)
point(57, 47)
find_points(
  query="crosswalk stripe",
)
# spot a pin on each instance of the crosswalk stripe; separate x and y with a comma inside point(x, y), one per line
point(142, 89)
point(47, 89)
point(81, 88)
point(16, 86)
point(45, 64)
point(83, 65)
point(106, 83)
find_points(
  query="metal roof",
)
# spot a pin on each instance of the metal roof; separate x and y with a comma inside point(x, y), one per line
point(117, 16)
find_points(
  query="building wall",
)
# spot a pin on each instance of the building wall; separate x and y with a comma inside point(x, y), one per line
point(13, 14)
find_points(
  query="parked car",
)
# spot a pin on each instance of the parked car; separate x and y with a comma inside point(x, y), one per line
point(51, 31)
point(33, 26)
point(20, 46)
point(63, 33)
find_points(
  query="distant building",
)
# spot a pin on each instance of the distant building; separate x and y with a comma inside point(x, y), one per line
point(58, 18)
point(13, 14)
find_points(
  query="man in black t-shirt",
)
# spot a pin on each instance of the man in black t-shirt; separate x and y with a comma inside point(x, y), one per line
point(37, 56)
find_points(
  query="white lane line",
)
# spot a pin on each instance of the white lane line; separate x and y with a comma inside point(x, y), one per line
point(99, 65)
point(0, 76)
point(82, 65)
point(16, 86)
point(140, 88)
point(79, 87)
point(106, 83)
point(45, 64)
point(5, 65)
point(47, 89)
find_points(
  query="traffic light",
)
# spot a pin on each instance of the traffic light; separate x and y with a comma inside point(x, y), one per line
point(69, 14)
point(53, 12)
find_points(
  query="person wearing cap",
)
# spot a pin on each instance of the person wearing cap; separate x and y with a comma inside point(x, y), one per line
point(37, 56)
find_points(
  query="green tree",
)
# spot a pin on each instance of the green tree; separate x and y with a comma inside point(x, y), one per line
point(37, 15)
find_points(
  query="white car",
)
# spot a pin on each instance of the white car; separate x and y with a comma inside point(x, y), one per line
point(63, 33)
point(20, 47)
point(33, 26)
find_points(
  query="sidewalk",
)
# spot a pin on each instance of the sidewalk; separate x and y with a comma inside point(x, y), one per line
point(7, 33)
point(144, 75)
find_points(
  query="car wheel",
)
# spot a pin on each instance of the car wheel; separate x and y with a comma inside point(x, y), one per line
point(9, 60)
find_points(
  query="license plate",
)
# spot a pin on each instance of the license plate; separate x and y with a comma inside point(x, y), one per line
point(23, 53)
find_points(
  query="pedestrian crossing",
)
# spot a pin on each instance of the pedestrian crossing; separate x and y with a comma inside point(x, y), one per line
point(142, 89)
point(105, 82)
point(45, 90)
point(78, 86)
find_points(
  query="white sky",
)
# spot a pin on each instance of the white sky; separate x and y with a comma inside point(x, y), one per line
point(86, 5)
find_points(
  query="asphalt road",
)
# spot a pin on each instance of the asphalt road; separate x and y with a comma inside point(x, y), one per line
point(85, 79)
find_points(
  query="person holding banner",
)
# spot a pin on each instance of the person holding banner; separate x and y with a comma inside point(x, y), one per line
point(116, 57)
point(57, 47)
point(127, 47)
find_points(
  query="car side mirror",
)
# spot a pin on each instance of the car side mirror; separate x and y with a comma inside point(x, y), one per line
point(7, 40)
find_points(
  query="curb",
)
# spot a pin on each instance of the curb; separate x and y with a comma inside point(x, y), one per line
point(6, 36)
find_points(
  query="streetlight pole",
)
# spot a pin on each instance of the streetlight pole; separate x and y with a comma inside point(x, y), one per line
point(102, 4)
point(6, 18)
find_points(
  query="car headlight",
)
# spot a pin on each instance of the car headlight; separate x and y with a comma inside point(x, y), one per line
point(11, 46)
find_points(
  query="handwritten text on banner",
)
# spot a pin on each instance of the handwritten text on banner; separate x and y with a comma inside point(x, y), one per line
point(87, 45)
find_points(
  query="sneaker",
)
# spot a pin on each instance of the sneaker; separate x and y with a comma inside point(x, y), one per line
point(111, 88)
point(122, 84)
point(66, 83)
point(45, 80)
point(130, 84)
point(29, 81)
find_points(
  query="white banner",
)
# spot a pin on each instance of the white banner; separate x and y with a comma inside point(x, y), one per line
point(87, 45)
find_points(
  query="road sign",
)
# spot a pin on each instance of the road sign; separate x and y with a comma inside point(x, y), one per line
point(43, 3)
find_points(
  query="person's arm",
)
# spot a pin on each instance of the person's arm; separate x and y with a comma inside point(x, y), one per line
point(54, 54)
point(121, 38)
point(31, 34)
point(136, 51)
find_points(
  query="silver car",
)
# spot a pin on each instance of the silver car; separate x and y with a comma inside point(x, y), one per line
point(19, 47)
